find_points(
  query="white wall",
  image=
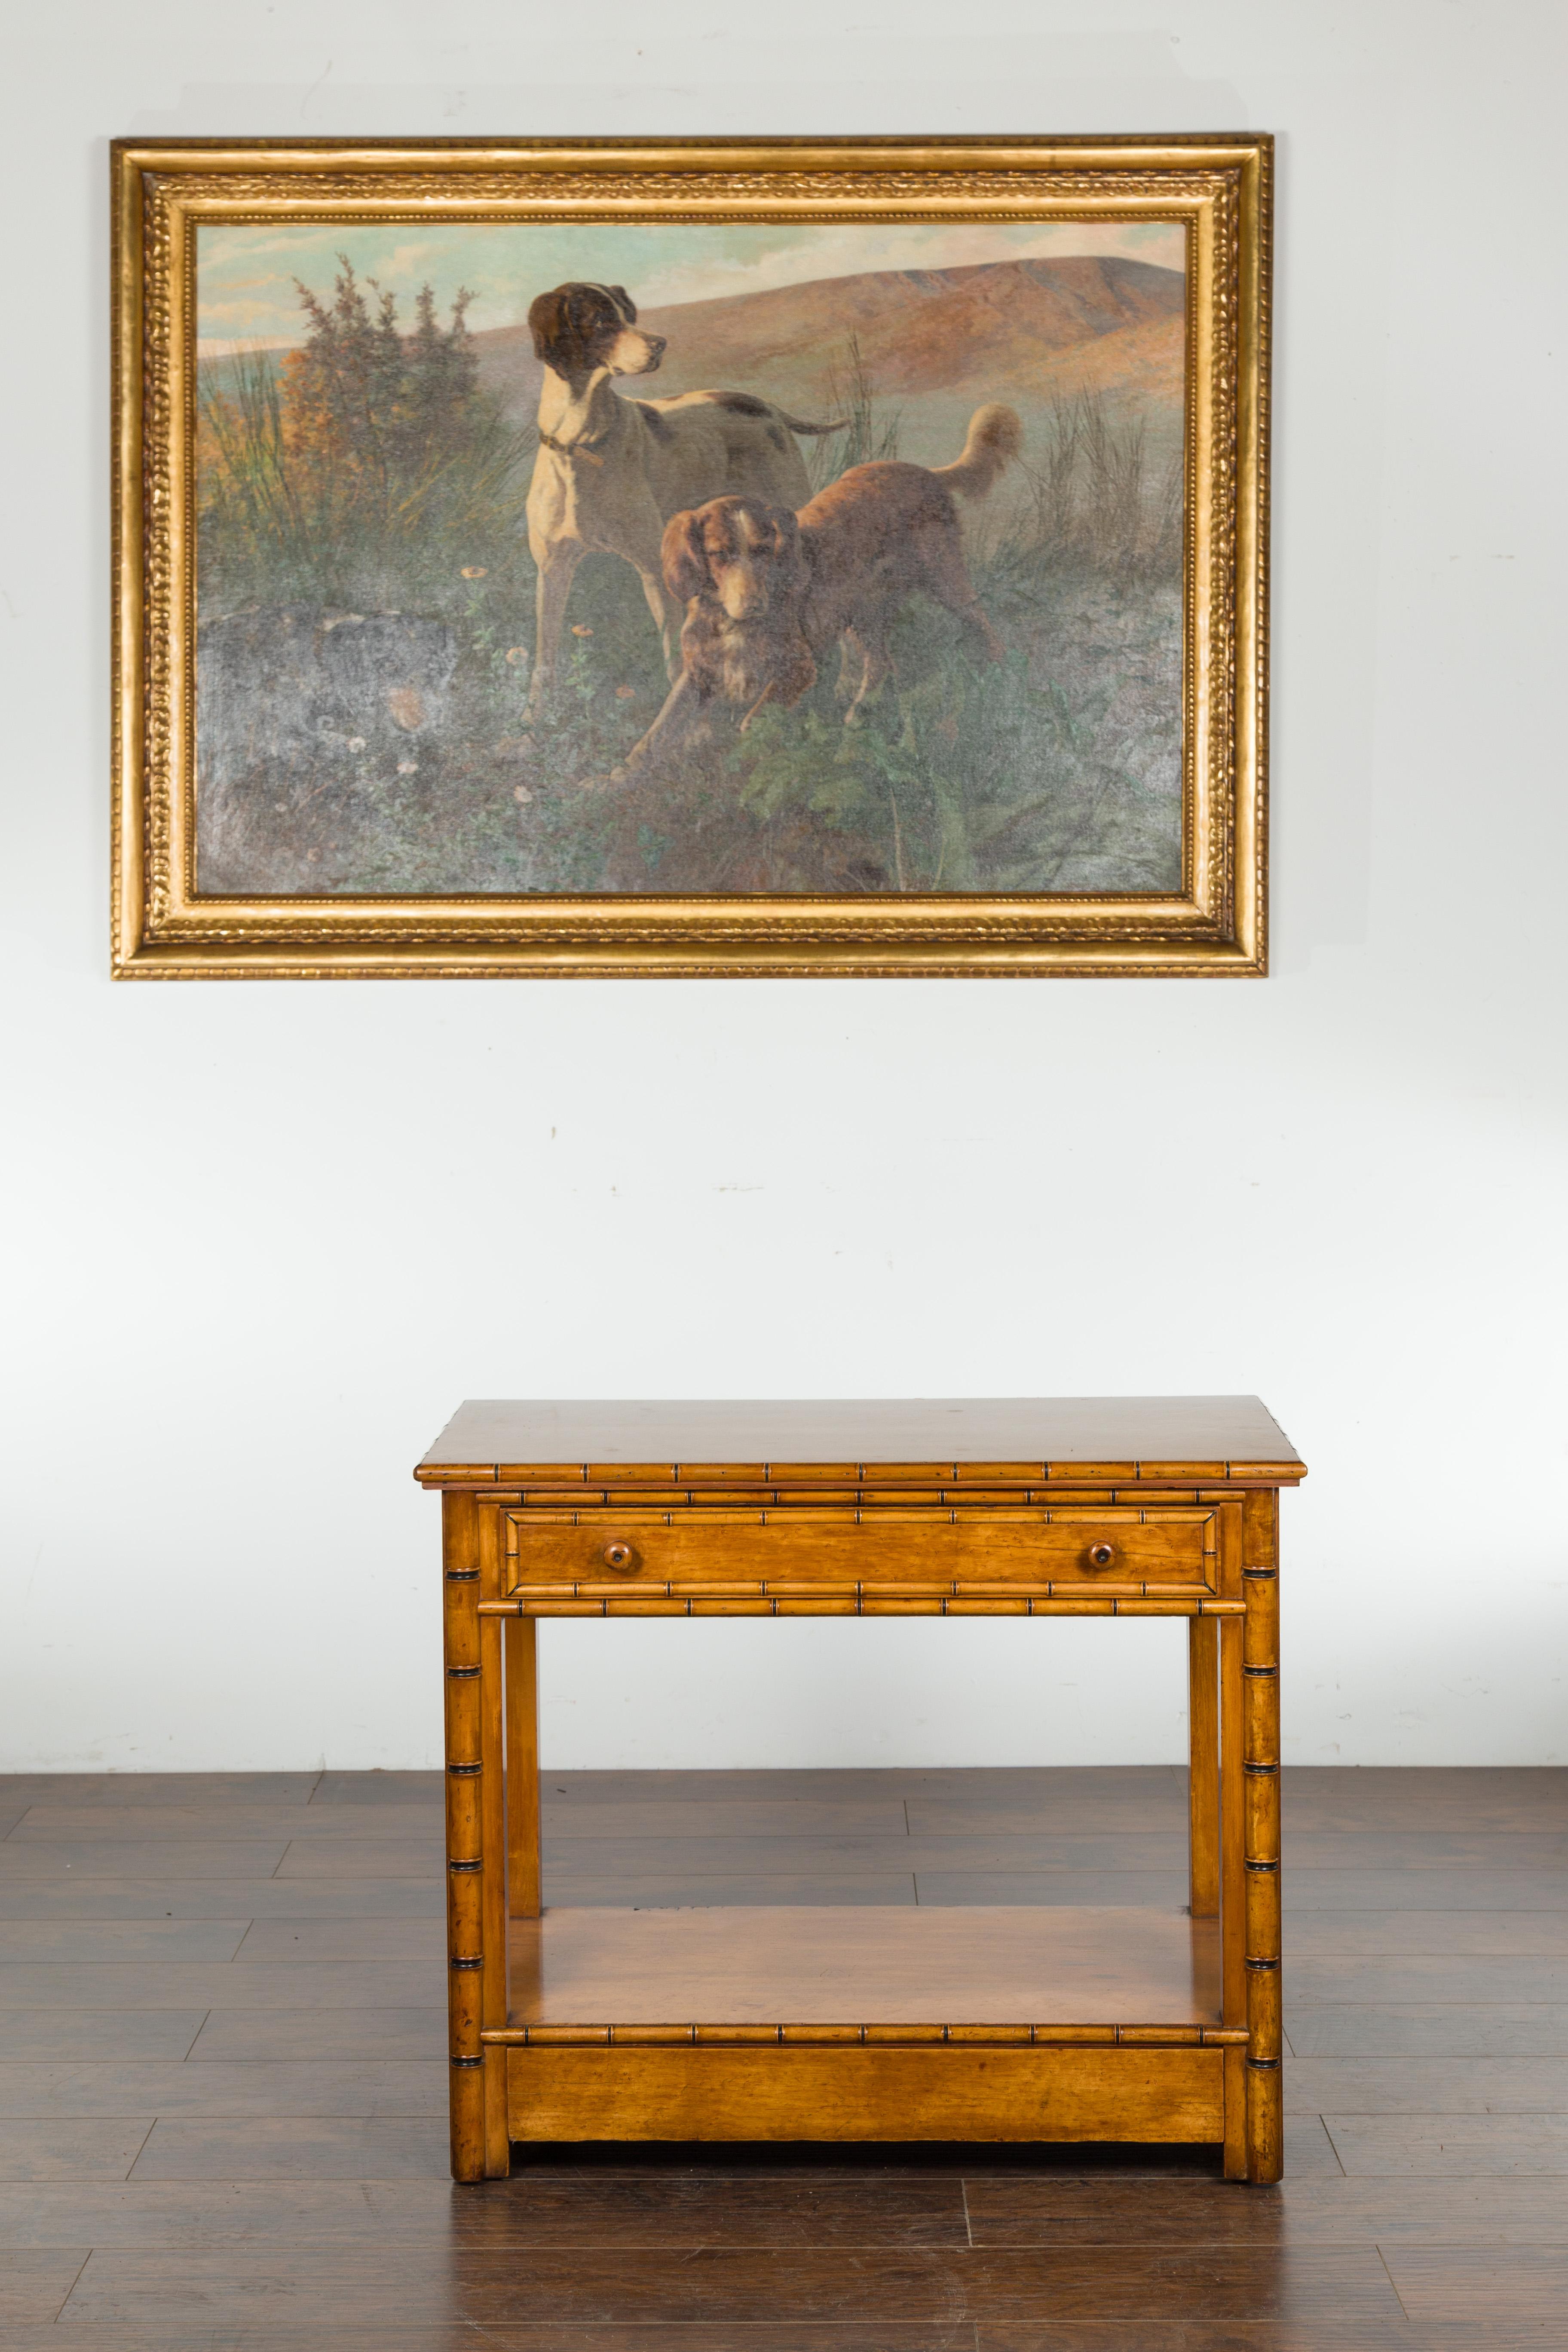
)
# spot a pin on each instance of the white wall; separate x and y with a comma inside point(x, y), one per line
point(261, 1248)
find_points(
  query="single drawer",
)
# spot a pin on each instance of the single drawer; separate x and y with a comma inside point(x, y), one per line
point(947, 1550)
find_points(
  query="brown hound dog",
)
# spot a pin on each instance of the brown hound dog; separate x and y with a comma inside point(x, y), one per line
point(768, 593)
point(610, 472)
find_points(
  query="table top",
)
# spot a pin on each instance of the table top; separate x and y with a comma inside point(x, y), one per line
point(505, 1442)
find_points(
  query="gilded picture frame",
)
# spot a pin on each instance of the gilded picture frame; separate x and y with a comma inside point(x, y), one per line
point(1139, 848)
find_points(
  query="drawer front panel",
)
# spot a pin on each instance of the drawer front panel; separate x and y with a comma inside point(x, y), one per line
point(1157, 1550)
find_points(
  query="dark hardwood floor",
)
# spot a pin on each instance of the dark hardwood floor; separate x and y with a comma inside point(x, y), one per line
point(223, 2082)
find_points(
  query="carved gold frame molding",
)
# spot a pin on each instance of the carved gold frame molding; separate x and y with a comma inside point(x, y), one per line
point(1218, 187)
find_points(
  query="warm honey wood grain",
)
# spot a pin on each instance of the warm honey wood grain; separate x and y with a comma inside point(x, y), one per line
point(861, 2093)
point(826, 1441)
point(1233, 1910)
point(1203, 1779)
point(854, 1600)
point(1013, 1966)
point(1233, 2156)
point(618, 1551)
point(464, 1833)
point(492, 1815)
point(1260, 1772)
point(1091, 1508)
point(521, 1667)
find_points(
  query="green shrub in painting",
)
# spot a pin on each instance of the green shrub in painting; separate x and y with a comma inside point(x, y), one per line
point(368, 470)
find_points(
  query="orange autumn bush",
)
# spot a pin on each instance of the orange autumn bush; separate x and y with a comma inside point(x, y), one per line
point(366, 468)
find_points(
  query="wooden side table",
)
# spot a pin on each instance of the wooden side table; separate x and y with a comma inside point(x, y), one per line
point(1047, 2023)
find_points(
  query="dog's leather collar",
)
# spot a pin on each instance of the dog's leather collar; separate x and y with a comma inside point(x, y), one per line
point(581, 449)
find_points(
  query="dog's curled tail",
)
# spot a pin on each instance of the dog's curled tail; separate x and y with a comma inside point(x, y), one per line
point(994, 437)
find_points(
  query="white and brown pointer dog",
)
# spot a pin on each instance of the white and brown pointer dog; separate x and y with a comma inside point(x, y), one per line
point(610, 472)
point(768, 593)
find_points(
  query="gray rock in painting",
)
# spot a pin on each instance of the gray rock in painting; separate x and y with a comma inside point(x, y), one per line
point(294, 703)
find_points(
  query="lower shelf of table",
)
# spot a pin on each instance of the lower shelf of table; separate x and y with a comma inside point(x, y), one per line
point(847, 1972)
point(795, 2023)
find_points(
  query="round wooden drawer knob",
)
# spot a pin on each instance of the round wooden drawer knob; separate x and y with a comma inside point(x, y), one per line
point(1101, 1554)
point(620, 1556)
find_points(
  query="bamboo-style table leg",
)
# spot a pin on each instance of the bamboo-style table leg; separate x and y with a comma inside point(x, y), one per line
point(492, 1752)
point(1232, 1843)
point(1233, 1894)
point(522, 1877)
point(464, 1834)
point(1203, 1773)
point(1260, 1681)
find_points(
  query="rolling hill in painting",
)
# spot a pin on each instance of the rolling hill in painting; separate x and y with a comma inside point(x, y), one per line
point(929, 341)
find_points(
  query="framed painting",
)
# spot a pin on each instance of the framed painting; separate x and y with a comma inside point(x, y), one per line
point(691, 558)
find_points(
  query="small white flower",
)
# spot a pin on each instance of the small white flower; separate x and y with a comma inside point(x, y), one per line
point(408, 767)
point(521, 794)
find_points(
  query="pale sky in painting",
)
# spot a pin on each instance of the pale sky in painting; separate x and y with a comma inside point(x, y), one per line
point(246, 290)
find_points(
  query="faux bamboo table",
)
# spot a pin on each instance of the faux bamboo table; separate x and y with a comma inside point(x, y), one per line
point(1043, 2023)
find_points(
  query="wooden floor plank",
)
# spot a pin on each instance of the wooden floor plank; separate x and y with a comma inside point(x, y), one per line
point(340, 1857)
point(138, 1789)
point(1346, 1935)
point(1431, 2030)
point(404, 1984)
point(1392, 1891)
point(114, 2087)
point(1532, 1850)
point(242, 2151)
point(1424, 1796)
point(26, 1945)
point(256, 2332)
point(106, 1857)
point(1018, 2210)
point(346, 2185)
point(243, 2035)
point(1433, 2146)
point(187, 2207)
point(81, 1824)
point(56, 2033)
point(1468, 2284)
point(1139, 1810)
point(740, 2287)
point(1416, 2086)
point(299, 1943)
point(1428, 1976)
point(846, 1816)
point(380, 1787)
point(1541, 1847)
point(73, 2148)
point(224, 1898)
point(35, 2283)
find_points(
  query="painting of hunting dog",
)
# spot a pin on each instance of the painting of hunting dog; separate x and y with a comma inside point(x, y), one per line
point(826, 559)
